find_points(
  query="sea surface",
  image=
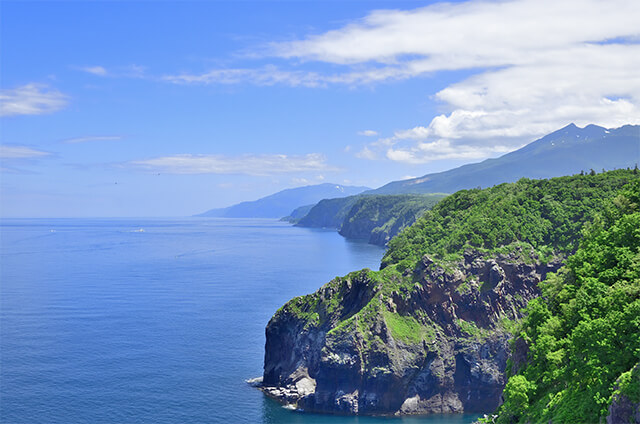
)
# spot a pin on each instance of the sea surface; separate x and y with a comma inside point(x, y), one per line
point(156, 320)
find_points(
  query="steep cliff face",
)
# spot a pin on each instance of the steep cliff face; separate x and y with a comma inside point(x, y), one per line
point(432, 340)
point(328, 213)
point(379, 218)
point(376, 218)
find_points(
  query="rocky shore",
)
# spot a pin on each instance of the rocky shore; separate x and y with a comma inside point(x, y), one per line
point(434, 339)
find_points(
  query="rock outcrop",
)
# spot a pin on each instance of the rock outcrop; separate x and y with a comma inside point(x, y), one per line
point(433, 339)
point(625, 402)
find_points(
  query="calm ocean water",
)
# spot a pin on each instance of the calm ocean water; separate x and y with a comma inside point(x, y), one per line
point(158, 321)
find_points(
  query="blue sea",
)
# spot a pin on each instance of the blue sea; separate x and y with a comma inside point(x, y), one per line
point(156, 320)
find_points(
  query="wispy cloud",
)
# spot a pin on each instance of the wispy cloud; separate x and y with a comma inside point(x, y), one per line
point(266, 75)
point(92, 138)
point(256, 165)
point(538, 65)
point(368, 133)
point(533, 72)
point(20, 152)
point(307, 181)
point(469, 34)
point(31, 99)
point(95, 70)
point(129, 71)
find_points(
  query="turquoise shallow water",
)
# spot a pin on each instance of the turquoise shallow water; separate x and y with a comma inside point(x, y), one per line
point(149, 320)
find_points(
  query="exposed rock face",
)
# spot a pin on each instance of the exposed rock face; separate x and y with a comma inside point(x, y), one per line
point(433, 340)
point(623, 409)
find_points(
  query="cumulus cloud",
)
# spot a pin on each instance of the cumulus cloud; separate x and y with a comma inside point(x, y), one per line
point(427, 151)
point(20, 152)
point(31, 99)
point(256, 165)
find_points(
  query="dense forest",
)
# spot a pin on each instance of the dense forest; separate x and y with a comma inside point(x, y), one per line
point(376, 218)
point(546, 214)
point(583, 333)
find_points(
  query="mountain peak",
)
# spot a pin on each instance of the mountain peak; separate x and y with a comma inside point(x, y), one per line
point(566, 151)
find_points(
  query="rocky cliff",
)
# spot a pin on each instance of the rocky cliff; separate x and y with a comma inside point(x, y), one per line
point(434, 340)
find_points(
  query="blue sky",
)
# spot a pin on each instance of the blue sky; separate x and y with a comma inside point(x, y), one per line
point(154, 108)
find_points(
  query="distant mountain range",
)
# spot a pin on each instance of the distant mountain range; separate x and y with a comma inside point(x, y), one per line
point(564, 152)
point(567, 151)
point(283, 202)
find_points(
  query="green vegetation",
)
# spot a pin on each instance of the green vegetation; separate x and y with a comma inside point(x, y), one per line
point(629, 384)
point(407, 329)
point(584, 331)
point(546, 214)
point(328, 213)
point(297, 214)
point(378, 218)
point(471, 329)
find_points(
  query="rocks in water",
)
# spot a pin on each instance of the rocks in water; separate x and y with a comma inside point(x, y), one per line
point(434, 339)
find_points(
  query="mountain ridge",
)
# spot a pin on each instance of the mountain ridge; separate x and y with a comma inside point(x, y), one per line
point(566, 151)
point(283, 202)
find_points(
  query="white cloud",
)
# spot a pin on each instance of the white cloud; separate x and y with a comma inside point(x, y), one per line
point(267, 75)
point(416, 146)
point(92, 138)
point(127, 71)
point(368, 133)
point(31, 99)
point(469, 34)
point(257, 165)
point(423, 152)
point(20, 152)
point(95, 70)
point(367, 153)
point(538, 65)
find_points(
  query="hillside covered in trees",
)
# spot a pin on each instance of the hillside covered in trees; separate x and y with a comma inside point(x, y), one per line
point(431, 331)
point(580, 340)
point(375, 218)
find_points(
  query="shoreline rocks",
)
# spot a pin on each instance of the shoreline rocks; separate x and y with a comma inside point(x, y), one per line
point(431, 340)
